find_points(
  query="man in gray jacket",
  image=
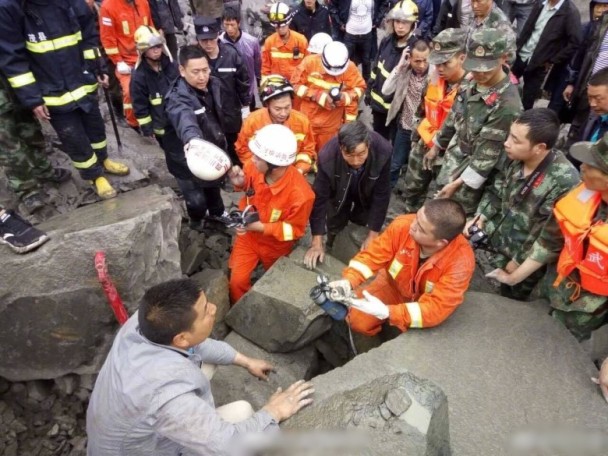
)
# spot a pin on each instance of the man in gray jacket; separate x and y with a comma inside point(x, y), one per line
point(151, 396)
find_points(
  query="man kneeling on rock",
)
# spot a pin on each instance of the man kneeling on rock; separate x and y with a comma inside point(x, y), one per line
point(422, 265)
point(151, 396)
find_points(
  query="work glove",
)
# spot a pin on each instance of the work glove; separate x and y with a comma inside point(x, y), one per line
point(371, 305)
point(245, 111)
point(340, 290)
point(123, 68)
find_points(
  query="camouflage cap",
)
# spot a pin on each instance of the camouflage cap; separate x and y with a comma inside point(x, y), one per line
point(484, 49)
point(593, 154)
point(445, 45)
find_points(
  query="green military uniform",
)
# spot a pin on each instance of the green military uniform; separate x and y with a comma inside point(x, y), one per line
point(21, 145)
point(498, 20)
point(444, 46)
point(477, 126)
point(515, 223)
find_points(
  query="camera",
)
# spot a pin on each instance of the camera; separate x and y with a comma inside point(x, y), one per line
point(478, 237)
point(320, 295)
point(237, 219)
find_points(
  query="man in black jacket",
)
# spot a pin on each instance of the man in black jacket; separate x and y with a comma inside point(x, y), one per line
point(194, 110)
point(228, 67)
point(352, 184)
point(311, 18)
point(549, 39)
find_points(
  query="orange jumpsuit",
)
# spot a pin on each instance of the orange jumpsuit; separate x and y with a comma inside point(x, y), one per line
point(284, 209)
point(297, 122)
point(312, 85)
point(279, 57)
point(418, 296)
point(118, 20)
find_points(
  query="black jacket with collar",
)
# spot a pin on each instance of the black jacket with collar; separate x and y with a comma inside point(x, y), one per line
point(558, 41)
point(309, 24)
point(340, 10)
point(332, 183)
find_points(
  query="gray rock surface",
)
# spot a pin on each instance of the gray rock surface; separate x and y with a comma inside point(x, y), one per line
point(331, 266)
point(277, 313)
point(233, 383)
point(55, 315)
point(215, 285)
point(348, 242)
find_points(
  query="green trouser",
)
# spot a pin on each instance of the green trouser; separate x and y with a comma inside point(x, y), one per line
point(418, 179)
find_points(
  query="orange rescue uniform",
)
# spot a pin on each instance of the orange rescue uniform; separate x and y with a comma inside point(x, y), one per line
point(297, 122)
point(417, 295)
point(118, 20)
point(312, 85)
point(282, 58)
point(437, 105)
point(284, 209)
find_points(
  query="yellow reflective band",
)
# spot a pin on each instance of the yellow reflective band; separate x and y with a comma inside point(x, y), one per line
point(380, 100)
point(363, 269)
point(264, 79)
point(413, 308)
point(301, 91)
point(383, 71)
point(89, 54)
point(127, 106)
point(86, 164)
point(373, 76)
point(395, 268)
point(347, 96)
point(287, 232)
point(300, 136)
point(350, 117)
point(322, 83)
point(144, 120)
point(282, 55)
point(322, 99)
point(54, 45)
point(303, 158)
point(111, 51)
point(156, 101)
point(70, 97)
point(125, 27)
point(275, 215)
point(159, 131)
point(358, 91)
point(100, 144)
point(22, 80)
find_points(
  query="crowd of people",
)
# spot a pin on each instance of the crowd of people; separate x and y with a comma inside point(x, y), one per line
point(451, 87)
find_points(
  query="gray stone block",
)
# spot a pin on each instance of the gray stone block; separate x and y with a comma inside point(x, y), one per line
point(331, 266)
point(348, 242)
point(55, 315)
point(277, 313)
point(215, 285)
point(233, 383)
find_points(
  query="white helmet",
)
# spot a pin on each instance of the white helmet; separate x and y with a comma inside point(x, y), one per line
point(318, 42)
point(280, 14)
point(335, 58)
point(275, 144)
point(205, 160)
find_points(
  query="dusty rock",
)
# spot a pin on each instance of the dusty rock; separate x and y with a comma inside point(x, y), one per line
point(277, 313)
point(74, 325)
point(193, 251)
point(331, 266)
point(214, 283)
point(233, 383)
point(348, 242)
point(39, 390)
point(397, 401)
point(67, 384)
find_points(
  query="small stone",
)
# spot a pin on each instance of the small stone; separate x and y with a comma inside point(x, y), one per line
point(48, 403)
point(87, 381)
point(18, 388)
point(8, 416)
point(384, 412)
point(11, 449)
point(397, 401)
point(18, 426)
point(83, 394)
point(3, 407)
point(53, 431)
point(67, 384)
point(38, 390)
point(4, 385)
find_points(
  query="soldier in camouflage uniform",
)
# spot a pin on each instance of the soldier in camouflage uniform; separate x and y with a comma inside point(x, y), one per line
point(487, 15)
point(515, 209)
point(478, 123)
point(447, 56)
point(22, 153)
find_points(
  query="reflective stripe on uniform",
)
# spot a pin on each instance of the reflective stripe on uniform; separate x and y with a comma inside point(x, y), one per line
point(358, 91)
point(350, 117)
point(361, 268)
point(287, 231)
point(69, 97)
point(100, 145)
point(127, 106)
point(156, 101)
point(106, 21)
point(380, 100)
point(281, 55)
point(301, 91)
point(372, 75)
point(383, 71)
point(322, 83)
point(144, 120)
point(415, 312)
point(159, 131)
point(348, 99)
point(300, 136)
point(322, 99)
point(86, 164)
point(304, 158)
point(55, 44)
point(89, 54)
point(22, 80)
point(111, 51)
point(226, 70)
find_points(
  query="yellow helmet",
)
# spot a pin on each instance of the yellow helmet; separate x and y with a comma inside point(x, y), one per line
point(405, 10)
point(147, 37)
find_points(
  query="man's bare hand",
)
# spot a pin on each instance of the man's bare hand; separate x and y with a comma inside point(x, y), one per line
point(236, 176)
point(285, 404)
point(259, 368)
point(429, 158)
point(42, 112)
point(479, 221)
point(602, 379)
point(448, 190)
point(567, 93)
point(314, 254)
point(104, 80)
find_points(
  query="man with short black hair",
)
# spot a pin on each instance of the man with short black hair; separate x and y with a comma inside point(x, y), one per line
point(311, 18)
point(352, 184)
point(151, 395)
point(422, 266)
point(597, 123)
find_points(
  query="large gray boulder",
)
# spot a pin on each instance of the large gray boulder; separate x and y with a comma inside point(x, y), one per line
point(277, 313)
point(233, 383)
point(55, 316)
point(214, 283)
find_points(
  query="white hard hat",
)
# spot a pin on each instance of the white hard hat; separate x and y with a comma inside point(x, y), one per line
point(280, 14)
point(318, 42)
point(205, 160)
point(335, 58)
point(275, 144)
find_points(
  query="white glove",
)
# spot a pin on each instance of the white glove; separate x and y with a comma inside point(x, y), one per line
point(123, 68)
point(371, 305)
point(245, 111)
point(340, 289)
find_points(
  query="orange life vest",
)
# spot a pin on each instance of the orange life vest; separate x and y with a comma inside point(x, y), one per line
point(437, 105)
point(574, 213)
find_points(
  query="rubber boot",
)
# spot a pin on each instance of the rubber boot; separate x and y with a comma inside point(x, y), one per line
point(103, 188)
point(114, 167)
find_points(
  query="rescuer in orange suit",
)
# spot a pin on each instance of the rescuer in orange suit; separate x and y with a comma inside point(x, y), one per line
point(317, 79)
point(118, 21)
point(283, 198)
point(422, 265)
point(276, 94)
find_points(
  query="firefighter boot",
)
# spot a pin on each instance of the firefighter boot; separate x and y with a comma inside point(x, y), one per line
point(114, 167)
point(103, 188)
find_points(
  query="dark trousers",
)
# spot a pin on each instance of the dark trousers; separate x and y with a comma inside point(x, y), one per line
point(83, 136)
point(360, 51)
point(380, 127)
point(171, 39)
point(401, 152)
point(200, 199)
point(230, 140)
point(533, 82)
point(351, 211)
